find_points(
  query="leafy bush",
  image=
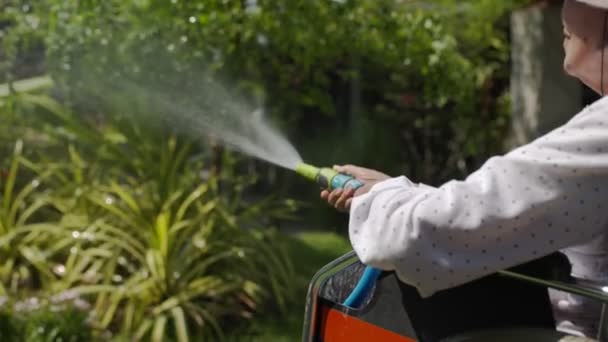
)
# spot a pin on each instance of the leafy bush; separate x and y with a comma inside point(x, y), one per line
point(407, 87)
point(38, 320)
point(161, 246)
point(67, 325)
point(23, 239)
point(427, 77)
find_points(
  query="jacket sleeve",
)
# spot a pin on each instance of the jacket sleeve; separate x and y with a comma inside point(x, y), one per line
point(533, 201)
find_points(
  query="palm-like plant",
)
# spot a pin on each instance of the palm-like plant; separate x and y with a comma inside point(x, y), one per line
point(162, 249)
point(190, 264)
point(25, 232)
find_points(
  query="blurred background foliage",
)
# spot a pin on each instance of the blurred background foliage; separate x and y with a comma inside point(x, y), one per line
point(157, 235)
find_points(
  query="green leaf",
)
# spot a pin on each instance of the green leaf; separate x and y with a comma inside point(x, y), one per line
point(10, 179)
point(180, 324)
point(126, 197)
point(194, 195)
point(143, 329)
point(162, 232)
point(134, 222)
point(158, 332)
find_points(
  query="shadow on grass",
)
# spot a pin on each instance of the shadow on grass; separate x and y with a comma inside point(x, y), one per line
point(309, 252)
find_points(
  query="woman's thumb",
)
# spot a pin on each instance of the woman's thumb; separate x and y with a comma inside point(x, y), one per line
point(342, 168)
point(348, 169)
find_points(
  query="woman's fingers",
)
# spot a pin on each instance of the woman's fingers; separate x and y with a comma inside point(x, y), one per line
point(364, 189)
point(333, 197)
point(338, 198)
point(341, 201)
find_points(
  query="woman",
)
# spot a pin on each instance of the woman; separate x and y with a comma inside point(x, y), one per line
point(545, 196)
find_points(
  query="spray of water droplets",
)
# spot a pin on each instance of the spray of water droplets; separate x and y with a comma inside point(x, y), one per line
point(199, 105)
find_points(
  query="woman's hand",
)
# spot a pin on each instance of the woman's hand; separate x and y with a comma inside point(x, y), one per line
point(342, 198)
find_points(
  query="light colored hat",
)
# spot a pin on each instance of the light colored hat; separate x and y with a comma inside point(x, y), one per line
point(596, 3)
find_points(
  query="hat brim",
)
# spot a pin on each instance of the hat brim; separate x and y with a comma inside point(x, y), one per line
point(603, 4)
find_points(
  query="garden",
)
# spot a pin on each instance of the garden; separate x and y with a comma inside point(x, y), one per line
point(118, 221)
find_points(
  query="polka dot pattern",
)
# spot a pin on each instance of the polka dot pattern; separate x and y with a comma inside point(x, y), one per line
point(539, 198)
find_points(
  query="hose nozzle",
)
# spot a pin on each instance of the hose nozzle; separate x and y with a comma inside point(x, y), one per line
point(308, 171)
point(327, 178)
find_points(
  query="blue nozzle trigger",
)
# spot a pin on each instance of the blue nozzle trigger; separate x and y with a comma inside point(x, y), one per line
point(342, 181)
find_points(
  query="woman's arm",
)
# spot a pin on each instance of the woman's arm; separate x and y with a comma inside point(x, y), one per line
point(539, 198)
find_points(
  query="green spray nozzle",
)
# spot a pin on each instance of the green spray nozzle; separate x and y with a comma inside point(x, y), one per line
point(327, 178)
point(308, 171)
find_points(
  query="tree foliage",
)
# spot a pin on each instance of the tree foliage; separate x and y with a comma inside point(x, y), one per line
point(422, 81)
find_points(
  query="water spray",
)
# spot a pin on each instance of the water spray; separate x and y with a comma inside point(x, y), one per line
point(195, 103)
point(330, 179)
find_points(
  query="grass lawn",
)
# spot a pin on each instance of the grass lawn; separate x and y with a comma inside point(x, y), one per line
point(309, 251)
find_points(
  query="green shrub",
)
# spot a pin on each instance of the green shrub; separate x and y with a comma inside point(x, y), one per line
point(424, 82)
point(402, 86)
point(407, 87)
point(24, 238)
point(163, 246)
point(39, 320)
point(50, 326)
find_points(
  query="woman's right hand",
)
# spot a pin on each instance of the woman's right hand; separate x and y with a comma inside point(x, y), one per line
point(341, 198)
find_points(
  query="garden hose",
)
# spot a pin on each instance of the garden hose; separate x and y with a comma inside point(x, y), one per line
point(330, 179)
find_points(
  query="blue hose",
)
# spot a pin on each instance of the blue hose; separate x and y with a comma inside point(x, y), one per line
point(363, 287)
point(333, 180)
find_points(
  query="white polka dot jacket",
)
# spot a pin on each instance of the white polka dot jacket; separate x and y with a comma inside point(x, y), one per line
point(542, 197)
